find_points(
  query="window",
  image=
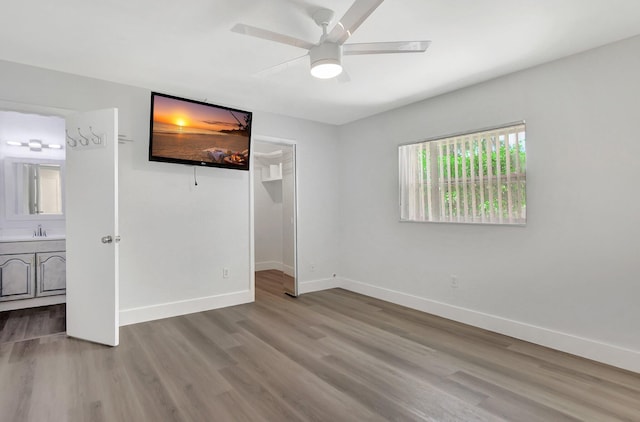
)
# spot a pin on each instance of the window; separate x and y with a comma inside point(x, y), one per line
point(470, 178)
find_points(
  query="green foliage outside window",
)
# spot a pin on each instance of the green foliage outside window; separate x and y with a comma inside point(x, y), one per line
point(472, 162)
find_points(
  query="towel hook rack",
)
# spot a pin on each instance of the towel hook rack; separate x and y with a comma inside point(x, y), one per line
point(83, 137)
point(72, 142)
point(97, 139)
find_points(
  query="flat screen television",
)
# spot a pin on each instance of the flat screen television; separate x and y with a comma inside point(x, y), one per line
point(197, 133)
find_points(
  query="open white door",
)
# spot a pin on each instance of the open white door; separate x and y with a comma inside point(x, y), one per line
point(92, 226)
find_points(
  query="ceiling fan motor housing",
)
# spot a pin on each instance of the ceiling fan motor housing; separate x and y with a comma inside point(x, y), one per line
point(325, 54)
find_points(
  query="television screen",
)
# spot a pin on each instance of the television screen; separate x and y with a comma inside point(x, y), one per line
point(196, 133)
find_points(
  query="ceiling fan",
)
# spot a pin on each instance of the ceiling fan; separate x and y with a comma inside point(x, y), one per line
point(326, 55)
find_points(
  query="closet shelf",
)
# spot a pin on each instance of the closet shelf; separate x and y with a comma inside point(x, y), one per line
point(272, 173)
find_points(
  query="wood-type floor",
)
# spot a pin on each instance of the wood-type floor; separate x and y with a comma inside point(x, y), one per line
point(25, 324)
point(325, 356)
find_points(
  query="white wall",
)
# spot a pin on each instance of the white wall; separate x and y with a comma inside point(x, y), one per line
point(267, 212)
point(177, 237)
point(569, 279)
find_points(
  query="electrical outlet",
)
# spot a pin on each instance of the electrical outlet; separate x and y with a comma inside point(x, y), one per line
point(225, 272)
point(454, 281)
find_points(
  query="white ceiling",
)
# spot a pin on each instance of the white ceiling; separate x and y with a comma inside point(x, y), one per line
point(186, 48)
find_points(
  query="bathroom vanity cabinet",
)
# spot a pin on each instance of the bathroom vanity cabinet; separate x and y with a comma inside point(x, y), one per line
point(17, 279)
point(51, 273)
point(32, 269)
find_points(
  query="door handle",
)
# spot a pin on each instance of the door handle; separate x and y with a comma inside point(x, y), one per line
point(109, 239)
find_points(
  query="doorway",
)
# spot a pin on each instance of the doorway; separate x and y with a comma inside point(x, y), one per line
point(37, 245)
point(32, 225)
point(275, 216)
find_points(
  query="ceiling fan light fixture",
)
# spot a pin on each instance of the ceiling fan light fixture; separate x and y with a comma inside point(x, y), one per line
point(326, 69)
point(326, 60)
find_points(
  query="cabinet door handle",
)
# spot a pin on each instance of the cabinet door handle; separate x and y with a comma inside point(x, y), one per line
point(107, 239)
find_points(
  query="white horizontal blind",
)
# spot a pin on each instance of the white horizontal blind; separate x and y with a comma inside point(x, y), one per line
point(472, 178)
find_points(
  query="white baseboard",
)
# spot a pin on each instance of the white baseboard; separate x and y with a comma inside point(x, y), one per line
point(587, 348)
point(183, 307)
point(268, 265)
point(317, 285)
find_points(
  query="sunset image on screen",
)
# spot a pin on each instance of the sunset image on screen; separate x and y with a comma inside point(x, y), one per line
point(191, 131)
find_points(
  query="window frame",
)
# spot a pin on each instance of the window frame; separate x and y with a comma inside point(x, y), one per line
point(455, 135)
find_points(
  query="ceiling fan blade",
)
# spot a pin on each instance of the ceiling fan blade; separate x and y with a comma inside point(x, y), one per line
point(355, 16)
point(279, 67)
point(265, 34)
point(385, 47)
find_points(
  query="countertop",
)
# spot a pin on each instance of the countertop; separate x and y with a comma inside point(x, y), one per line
point(31, 238)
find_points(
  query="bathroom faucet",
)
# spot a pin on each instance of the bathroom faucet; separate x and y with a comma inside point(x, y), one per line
point(39, 232)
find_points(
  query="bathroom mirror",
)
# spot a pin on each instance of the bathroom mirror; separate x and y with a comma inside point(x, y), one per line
point(34, 189)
